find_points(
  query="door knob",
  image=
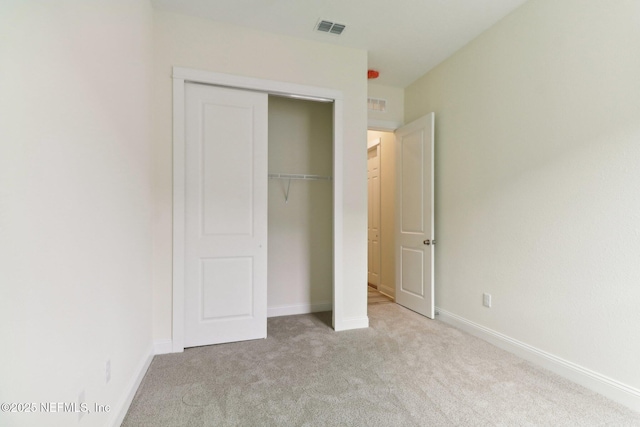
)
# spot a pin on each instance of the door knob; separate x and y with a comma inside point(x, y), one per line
point(427, 242)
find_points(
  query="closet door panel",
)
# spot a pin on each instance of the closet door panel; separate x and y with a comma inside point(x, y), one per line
point(226, 215)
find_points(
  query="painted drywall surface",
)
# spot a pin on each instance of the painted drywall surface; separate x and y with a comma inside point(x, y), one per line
point(75, 204)
point(537, 202)
point(394, 96)
point(301, 227)
point(387, 210)
point(208, 45)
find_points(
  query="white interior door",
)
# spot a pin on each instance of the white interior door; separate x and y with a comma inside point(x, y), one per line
point(373, 223)
point(414, 216)
point(226, 215)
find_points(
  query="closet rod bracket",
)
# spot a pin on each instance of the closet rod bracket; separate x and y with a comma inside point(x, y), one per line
point(304, 177)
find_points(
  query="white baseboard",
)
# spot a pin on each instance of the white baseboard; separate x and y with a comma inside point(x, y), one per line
point(614, 390)
point(388, 291)
point(351, 323)
point(289, 310)
point(163, 346)
point(120, 411)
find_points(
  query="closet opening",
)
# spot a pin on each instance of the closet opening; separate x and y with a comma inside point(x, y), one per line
point(300, 212)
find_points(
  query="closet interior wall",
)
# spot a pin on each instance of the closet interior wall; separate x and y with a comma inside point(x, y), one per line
point(300, 261)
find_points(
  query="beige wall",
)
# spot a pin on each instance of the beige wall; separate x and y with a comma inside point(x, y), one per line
point(300, 229)
point(394, 113)
point(75, 204)
point(387, 210)
point(207, 45)
point(537, 154)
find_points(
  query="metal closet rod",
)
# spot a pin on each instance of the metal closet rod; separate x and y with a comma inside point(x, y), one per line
point(299, 176)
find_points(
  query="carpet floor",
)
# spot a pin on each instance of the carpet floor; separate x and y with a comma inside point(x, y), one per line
point(405, 370)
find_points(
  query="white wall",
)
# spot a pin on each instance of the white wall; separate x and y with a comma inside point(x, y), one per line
point(300, 229)
point(387, 210)
point(537, 201)
point(75, 204)
point(393, 116)
point(208, 45)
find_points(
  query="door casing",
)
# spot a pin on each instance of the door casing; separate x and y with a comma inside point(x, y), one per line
point(182, 75)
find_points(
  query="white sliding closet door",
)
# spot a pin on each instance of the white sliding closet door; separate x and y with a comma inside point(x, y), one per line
point(226, 215)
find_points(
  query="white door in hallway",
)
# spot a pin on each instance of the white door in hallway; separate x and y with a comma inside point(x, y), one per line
point(226, 215)
point(414, 216)
point(373, 223)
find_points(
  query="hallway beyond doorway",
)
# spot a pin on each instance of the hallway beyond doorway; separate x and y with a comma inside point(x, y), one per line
point(376, 297)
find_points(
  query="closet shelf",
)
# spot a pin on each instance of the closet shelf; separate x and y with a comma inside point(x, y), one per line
point(299, 176)
point(290, 176)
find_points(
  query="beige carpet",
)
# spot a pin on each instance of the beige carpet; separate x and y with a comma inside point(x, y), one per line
point(405, 370)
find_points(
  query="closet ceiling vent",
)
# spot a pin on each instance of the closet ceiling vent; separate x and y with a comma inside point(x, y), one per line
point(325, 26)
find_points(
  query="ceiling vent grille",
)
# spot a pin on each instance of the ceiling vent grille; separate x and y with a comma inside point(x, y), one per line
point(330, 27)
point(375, 104)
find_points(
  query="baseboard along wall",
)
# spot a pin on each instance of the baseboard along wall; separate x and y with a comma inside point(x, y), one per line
point(351, 323)
point(290, 310)
point(387, 290)
point(608, 387)
point(163, 346)
point(121, 409)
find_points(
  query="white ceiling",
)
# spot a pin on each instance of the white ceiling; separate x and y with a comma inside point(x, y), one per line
point(404, 38)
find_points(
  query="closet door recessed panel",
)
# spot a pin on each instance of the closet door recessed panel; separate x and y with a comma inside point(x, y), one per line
point(227, 175)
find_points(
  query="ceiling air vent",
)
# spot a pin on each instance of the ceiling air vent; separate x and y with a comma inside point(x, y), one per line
point(330, 27)
point(375, 104)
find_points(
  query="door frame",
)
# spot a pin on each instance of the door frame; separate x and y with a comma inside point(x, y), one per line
point(180, 77)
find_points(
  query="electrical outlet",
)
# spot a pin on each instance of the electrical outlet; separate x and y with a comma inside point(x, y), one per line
point(486, 300)
point(108, 371)
point(81, 404)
